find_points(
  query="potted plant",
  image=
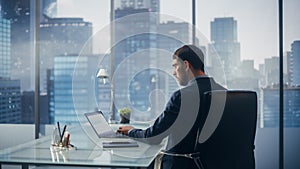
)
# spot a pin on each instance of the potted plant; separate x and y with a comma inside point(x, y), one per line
point(124, 115)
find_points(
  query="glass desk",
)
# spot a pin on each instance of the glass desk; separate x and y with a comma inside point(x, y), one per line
point(88, 153)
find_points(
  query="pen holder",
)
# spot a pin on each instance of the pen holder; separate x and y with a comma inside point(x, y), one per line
point(55, 137)
point(60, 141)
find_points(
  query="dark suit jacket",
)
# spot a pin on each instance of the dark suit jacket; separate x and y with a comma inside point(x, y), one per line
point(179, 121)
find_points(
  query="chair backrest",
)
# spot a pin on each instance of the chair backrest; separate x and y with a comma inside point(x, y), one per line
point(226, 140)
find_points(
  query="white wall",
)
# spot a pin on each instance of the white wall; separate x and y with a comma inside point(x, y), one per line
point(14, 134)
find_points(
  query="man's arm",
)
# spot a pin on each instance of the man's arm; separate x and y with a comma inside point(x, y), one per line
point(158, 130)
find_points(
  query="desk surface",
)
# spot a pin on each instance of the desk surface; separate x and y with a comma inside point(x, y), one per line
point(89, 152)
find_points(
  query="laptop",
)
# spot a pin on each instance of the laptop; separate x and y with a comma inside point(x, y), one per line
point(103, 130)
point(101, 126)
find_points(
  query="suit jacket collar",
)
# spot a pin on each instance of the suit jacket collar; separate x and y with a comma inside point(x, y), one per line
point(195, 80)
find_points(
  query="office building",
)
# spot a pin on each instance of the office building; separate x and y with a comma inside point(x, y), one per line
point(289, 67)
point(174, 34)
point(99, 88)
point(138, 27)
point(50, 94)
point(133, 40)
point(152, 5)
point(5, 48)
point(246, 78)
point(62, 36)
point(27, 108)
point(247, 69)
point(261, 69)
point(21, 15)
point(73, 87)
point(296, 62)
point(171, 35)
point(18, 12)
point(270, 106)
point(271, 71)
point(10, 101)
point(225, 41)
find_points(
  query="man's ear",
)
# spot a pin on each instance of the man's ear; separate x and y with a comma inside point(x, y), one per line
point(187, 65)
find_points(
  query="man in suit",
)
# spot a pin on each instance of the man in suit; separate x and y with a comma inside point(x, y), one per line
point(180, 119)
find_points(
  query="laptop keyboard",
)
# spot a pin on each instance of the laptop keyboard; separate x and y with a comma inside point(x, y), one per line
point(120, 135)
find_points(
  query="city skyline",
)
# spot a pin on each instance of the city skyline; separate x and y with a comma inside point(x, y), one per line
point(253, 18)
point(224, 37)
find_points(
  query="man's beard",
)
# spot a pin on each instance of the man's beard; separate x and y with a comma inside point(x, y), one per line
point(183, 81)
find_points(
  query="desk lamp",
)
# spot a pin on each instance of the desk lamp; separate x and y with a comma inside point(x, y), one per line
point(104, 77)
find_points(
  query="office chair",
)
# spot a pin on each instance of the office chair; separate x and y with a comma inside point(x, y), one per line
point(226, 133)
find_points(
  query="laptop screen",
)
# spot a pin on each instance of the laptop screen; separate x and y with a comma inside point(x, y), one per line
point(99, 124)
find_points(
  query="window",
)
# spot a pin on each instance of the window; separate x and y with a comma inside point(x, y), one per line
point(240, 39)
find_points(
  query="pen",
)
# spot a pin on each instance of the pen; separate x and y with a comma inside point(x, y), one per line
point(62, 135)
point(68, 139)
point(73, 146)
point(59, 130)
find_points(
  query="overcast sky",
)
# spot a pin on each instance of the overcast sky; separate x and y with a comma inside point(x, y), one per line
point(256, 20)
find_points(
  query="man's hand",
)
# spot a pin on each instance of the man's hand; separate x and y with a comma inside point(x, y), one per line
point(124, 129)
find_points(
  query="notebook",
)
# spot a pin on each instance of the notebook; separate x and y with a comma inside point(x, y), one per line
point(103, 130)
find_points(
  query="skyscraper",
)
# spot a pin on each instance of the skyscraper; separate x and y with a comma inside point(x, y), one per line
point(134, 35)
point(246, 78)
point(174, 34)
point(289, 67)
point(27, 108)
point(152, 5)
point(62, 36)
point(21, 15)
point(296, 62)
point(10, 101)
point(270, 106)
point(73, 88)
point(224, 40)
point(18, 12)
point(171, 36)
point(271, 71)
point(5, 48)
point(10, 97)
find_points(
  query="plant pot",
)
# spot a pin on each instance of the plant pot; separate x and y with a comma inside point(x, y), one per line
point(125, 118)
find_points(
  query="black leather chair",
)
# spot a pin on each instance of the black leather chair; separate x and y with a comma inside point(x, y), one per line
point(227, 131)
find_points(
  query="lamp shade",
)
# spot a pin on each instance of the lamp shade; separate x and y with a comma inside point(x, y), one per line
point(102, 73)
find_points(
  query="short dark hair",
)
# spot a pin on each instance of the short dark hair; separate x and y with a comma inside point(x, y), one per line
point(192, 54)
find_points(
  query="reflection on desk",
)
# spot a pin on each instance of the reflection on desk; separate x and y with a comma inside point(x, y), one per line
point(87, 153)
